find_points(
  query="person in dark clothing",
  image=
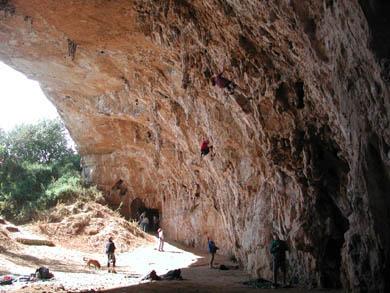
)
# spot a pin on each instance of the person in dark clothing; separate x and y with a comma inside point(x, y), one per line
point(205, 148)
point(110, 251)
point(212, 250)
point(151, 276)
point(170, 275)
point(155, 223)
point(278, 250)
point(222, 82)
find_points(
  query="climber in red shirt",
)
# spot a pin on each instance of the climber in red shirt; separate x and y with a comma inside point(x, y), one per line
point(205, 148)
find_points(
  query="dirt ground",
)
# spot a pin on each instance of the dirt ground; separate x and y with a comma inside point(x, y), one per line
point(198, 277)
point(82, 232)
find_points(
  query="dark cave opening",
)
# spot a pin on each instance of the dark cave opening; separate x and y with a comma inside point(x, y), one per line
point(154, 219)
point(329, 178)
point(300, 92)
point(120, 186)
point(281, 97)
point(377, 177)
point(137, 207)
point(377, 13)
point(330, 251)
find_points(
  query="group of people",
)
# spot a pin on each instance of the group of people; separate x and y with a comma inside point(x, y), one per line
point(278, 250)
point(145, 223)
point(145, 226)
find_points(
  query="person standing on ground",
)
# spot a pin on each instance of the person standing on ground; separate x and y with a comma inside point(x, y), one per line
point(278, 250)
point(141, 217)
point(212, 250)
point(155, 222)
point(160, 239)
point(110, 251)
point(145, 224)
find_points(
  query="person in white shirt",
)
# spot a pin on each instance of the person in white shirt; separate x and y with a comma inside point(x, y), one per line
point(160, 239)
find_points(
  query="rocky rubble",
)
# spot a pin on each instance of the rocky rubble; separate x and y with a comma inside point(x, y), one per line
point(302, 145)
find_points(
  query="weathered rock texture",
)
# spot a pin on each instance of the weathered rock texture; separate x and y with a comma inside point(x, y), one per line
point(302, 146)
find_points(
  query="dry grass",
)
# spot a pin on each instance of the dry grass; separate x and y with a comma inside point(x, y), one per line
point(6, 242)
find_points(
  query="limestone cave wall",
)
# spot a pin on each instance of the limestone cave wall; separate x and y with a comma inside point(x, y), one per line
point(302, 146)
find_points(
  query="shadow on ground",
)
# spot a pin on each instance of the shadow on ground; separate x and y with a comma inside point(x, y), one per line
point(198, 277)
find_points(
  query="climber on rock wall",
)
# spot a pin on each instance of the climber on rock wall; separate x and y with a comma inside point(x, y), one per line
point(222, 82)
point(205, 148)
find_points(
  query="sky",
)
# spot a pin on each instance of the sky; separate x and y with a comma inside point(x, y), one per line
point(21, 99)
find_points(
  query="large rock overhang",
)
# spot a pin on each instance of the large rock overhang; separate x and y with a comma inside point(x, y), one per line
point(302, 145)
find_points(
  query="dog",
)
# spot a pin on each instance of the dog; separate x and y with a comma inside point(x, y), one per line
point(92, 263)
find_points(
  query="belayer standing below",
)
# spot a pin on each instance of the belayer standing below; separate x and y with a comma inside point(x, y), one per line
point(223, 83)
point(110, 251)
point(160, 239)
point(205, 148)
point(278, 250)
point(212, 250)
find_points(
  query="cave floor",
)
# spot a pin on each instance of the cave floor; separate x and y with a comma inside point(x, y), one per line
point(71, 275)
point(203, 279)
point(198, 277)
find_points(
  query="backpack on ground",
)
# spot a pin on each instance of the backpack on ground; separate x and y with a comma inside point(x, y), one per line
point(173, 275)
point(43, 273)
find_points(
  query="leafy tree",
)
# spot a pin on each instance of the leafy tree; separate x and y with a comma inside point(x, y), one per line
point(43, 142)
point(32, 158)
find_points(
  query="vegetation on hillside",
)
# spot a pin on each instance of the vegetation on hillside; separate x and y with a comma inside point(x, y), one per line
point(38, 169)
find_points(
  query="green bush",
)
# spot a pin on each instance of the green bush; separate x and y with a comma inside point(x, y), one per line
point(64, 188)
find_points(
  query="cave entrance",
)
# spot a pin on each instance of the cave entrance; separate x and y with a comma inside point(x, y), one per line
point(330, 256)
point(330, 173)
point(154, 219)
point(137, 207)
point(377, 13)
point(377, 177)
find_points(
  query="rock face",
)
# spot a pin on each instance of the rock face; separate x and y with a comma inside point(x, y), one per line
point(302, 145)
